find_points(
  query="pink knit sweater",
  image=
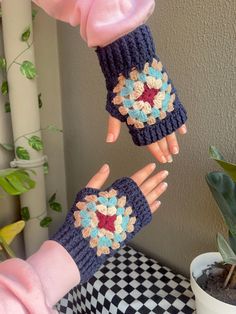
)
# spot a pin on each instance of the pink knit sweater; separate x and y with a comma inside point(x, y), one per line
point(35, 285)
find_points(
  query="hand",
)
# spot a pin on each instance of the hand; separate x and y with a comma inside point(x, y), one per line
point(152, 187)
point(162, 150)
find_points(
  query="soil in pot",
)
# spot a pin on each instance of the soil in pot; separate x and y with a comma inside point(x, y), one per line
point(212, 281)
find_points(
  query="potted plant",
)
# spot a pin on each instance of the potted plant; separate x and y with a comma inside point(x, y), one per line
point(213, 275)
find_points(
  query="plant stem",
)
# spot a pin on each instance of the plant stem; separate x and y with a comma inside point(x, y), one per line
point(227, 280)
point(21, 53)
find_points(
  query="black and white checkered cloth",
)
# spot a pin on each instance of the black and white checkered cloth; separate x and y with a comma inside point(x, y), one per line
point(130, 283)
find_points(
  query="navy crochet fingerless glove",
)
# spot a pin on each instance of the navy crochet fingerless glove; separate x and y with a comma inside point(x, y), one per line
point(140, 92)
point(100, 222)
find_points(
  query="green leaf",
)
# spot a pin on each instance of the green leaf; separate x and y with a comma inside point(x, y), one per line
point(8, 147)
point(230, 168)
point(53, 128)
point(25, 214)
point(36, 143)
point(228, 255)
point(45, 167)
point(52, 198)
point(40, 103)
point(223, 190)
point(22, 153)
point(28, 69)
point(232, 241)
point(56, 207)
point(7, 107)
point(34, 13)
point(3, 63)
point(26, 34)
point(4, 88)
point(16, 181)
point(45, 222)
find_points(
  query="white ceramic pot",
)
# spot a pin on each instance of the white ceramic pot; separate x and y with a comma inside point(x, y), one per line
point(206, 304)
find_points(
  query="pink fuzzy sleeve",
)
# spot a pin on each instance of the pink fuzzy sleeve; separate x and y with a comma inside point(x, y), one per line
point(101, 21)
point(36, 285)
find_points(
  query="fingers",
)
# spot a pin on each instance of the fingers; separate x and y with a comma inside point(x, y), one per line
point(151, 183)
point(172, 144)
point(113, 131)
point(182, 130)
point(155, 205)
point(156, 193)
point(163, 145)
point(164, 149)
point(140, 176)
point(99, 178)
point(157, 152)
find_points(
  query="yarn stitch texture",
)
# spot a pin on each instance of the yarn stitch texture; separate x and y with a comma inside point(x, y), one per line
point(140, 92)
point(105, 220)
point(145, 96)
point(100, 222)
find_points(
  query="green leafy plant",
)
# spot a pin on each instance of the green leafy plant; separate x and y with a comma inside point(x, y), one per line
point(223, 189)
point(45, 222)
point(16, 181)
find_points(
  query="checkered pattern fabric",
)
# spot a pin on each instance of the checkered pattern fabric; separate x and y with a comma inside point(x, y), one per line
point(130, 283)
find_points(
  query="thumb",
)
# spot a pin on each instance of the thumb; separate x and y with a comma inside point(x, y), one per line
point(113, 131)
point(99, 178)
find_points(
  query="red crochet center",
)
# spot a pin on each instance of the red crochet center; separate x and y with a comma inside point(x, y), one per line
point(106, 222)
point(148, 95)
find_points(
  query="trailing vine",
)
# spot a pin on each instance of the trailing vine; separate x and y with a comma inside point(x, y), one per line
point(17, 181)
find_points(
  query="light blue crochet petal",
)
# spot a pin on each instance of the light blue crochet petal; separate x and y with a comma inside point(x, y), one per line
point(164, 86)
point(94, 233)
point(165, 102)
point(143, 117)
point(86, 222)
point(128, 103)
point(125, 222)
point(155, 73)
point(104, 241)
point(117, 237)
point(134, 114)
point(112, 201)
point(125, 91)
point(92, 206)
point(84, 214)
point(155, 112)
point(103, 200)
point(120, 211)
point(129, 84)
point(142, 77)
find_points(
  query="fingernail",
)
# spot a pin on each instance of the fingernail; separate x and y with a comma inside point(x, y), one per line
point(169, 159)
point(163, 160)
point(153, 166)
point(165, 174)
point(175, 150)
point(184, 129)
point(110, 138)
point(104, 168)
point(158, 203)
point(164, 186)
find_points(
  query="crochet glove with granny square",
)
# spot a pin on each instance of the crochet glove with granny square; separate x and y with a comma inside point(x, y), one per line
point(100, 222)
point(140, 91)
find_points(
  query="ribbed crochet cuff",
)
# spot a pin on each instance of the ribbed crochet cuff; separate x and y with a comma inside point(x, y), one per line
point(100, 222)
point(140, 92)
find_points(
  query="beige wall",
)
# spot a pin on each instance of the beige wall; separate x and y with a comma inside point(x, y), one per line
point(196, 40)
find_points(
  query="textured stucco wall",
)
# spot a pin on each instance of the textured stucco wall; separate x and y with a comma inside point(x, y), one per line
point(196, 41)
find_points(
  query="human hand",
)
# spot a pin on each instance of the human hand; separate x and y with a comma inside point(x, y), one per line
point(102, 221)
point(162, 150)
